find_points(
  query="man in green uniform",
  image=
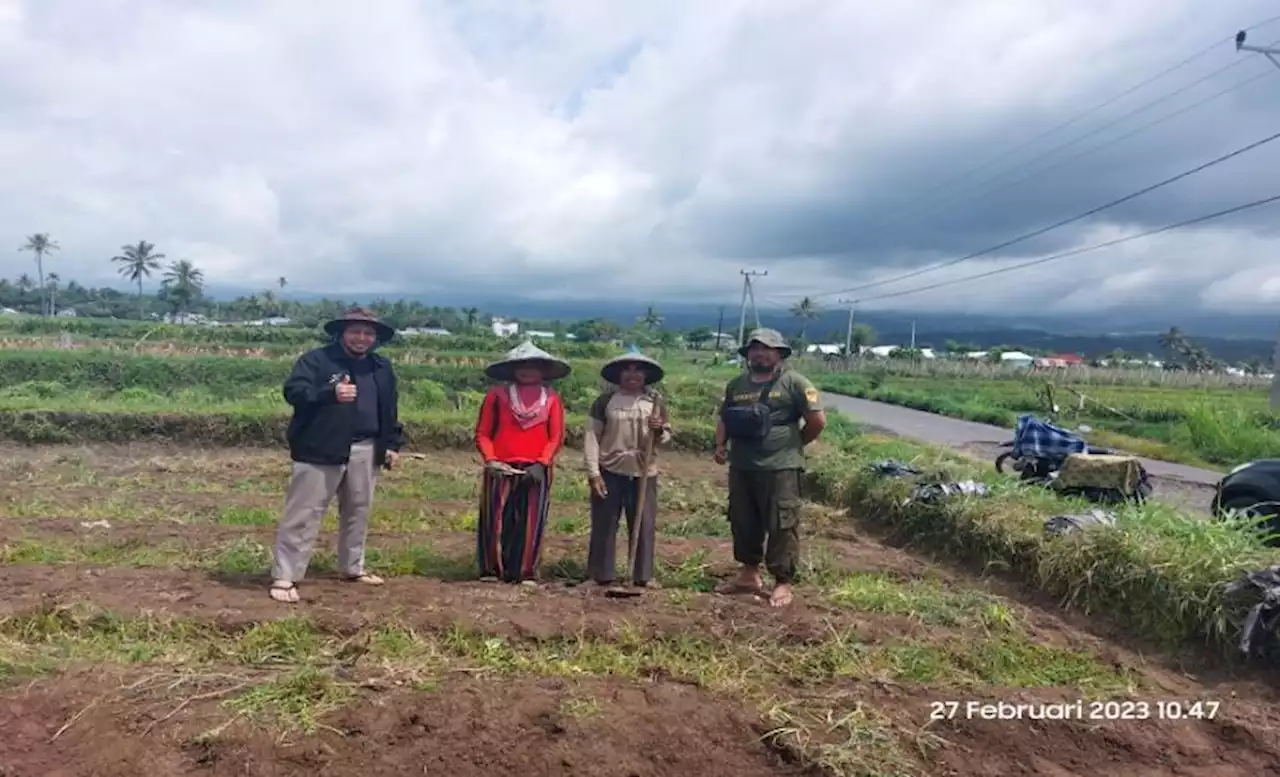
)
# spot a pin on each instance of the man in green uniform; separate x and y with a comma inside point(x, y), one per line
point(760, 423)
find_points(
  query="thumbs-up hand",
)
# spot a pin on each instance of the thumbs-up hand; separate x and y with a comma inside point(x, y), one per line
point(346, 390)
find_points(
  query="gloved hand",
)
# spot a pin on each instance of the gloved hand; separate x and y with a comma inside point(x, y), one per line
point(536, 472)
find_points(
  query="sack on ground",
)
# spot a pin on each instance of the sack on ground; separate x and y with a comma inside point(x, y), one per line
point(1095, 471)
point(1062, 524)
point(932, 493)
point(1258, 634)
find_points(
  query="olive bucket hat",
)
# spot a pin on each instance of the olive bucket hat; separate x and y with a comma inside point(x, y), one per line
point(359, 315)
point(504, 370)
point(770, 338)
point(612, 369)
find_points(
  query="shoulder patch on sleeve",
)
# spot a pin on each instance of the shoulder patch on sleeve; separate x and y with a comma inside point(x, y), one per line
point(811, 394)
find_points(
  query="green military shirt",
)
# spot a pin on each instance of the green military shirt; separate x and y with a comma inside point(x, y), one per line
point(790, 399)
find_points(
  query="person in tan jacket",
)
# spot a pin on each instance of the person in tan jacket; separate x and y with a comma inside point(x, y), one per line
point(620, 423)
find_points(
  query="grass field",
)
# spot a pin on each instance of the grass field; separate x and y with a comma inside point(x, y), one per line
point(1210, 427)
point(136, 635)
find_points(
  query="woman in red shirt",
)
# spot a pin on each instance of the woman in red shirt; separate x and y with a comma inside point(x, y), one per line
point(519, 433)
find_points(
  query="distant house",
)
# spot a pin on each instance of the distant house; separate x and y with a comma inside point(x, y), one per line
point(1017, 359)
point(727, 341)
point(67, 313)
point(826, 349)
point(503, 328)
point(1060, 360)
point(427, 331)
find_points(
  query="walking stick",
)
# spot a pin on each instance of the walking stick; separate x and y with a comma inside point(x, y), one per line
point(642, 491)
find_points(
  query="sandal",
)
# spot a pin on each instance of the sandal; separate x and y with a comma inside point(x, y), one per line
point(366, 578)
point(284, 591)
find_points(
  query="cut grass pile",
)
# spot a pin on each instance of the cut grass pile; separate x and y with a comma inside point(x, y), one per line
point(1159, 573)
point(1200, 427)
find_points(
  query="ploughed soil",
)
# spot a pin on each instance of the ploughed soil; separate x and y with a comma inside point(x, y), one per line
point(146, 719)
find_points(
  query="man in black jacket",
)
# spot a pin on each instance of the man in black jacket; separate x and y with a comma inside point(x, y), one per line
point(345, 427)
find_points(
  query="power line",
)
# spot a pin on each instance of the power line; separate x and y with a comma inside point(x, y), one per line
point(1107, 102)
point(1075, 251)
point(1143, 128)
point(973, 191)
point(1063, 223)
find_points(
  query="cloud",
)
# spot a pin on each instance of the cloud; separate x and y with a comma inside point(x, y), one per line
point(640, 150)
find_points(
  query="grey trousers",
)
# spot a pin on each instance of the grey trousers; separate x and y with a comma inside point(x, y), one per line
point(605, 514)
point(311, 489)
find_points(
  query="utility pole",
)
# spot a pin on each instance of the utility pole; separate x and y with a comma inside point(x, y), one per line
point(747, 275)
point(1270, 53)
point(848, 334)
point(719, 329)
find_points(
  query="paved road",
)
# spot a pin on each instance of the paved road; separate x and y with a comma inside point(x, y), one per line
point(955, 433)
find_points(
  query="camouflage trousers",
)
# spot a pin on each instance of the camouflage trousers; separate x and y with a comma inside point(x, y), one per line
point(764, 516)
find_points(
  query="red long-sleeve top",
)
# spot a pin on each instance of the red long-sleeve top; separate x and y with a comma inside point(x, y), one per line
point(499, 437)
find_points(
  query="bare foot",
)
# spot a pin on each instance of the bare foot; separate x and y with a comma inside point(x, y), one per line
point(529, 583)
point(747, 582)
point(367, 579)
point(284, 592)
point(781, 595)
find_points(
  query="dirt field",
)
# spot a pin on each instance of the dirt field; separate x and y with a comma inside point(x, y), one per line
point(137, 638)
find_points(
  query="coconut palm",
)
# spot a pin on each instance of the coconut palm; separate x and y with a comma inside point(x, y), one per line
point(182, 284)
point(40, 244)
point(651, 319)
point(136, 263)
point(806, 310)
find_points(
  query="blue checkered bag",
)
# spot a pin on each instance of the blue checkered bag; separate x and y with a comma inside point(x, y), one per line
point(1036, 439)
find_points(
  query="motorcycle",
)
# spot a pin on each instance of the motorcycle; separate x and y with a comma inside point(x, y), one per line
point(1039, 448)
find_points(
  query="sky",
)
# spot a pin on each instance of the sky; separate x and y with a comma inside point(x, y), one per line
point(649, 151)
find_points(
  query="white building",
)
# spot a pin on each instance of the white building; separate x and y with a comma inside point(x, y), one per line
point(1017, 359)
point(503, 328)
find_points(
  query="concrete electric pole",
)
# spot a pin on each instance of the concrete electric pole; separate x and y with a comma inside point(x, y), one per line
point(747, 290)
point(848, 334)
point(1270, 53)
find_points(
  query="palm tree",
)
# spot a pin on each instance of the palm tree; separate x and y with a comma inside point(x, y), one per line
point(282, 282)
point(183, 283)
point(472, 314)
point(137, 262)
point(1173, 340)
point(54, 278)
point(24, 284)
point(806, 310)
point(651, 319)
point(40, 244)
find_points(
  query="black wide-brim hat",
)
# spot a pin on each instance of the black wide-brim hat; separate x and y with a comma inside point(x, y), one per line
point(359, 315)
point(612, 369)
